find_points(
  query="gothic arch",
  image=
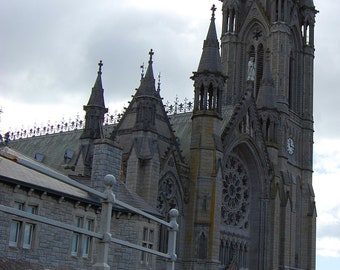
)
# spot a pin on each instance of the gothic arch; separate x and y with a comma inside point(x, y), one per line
point(254, 35)
point(244, 178)
point(297, 38)
point(254, 20)
point(230, 16)
point(170, 195)
point(295, 65)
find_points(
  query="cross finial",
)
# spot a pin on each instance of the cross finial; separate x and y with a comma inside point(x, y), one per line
point(213, 9)
point(151, 53)
point(100, 64)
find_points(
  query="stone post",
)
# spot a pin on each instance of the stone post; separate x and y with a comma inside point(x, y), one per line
point(172, 239)
point(103, 244)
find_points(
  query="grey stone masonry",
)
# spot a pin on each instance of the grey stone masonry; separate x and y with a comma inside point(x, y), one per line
point(50, 246)
point(107, 159)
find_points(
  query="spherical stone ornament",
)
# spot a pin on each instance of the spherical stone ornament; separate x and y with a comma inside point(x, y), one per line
point(173, 213)
point(235, 194)
point(109, 180)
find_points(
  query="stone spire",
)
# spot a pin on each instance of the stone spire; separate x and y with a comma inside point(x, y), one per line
point(266, 96)
point(210, 58)
point(209, 79)
point(95, 109)
point(97, 95)
point(147, 85)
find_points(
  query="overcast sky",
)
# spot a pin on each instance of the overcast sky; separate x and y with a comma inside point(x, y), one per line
point(49, 52)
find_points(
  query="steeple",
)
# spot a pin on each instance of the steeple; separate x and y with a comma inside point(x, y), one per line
point(147, 84)
point(210, 58)
point(95, 109)
point(146, 99)
point(206, 153)
point(266, 94)
point(209, 79)
point(97, 98)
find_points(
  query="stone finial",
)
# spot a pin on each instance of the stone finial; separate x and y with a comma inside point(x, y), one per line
point(109, 181)
point(100, 64)
point(213, 9)
point(151, 53)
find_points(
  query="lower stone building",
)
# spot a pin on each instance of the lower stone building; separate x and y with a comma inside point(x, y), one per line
point(29, 244)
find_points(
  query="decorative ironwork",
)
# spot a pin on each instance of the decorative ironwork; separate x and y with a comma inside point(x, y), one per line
point(62, 126)
point(79, 122)
point(179, 107)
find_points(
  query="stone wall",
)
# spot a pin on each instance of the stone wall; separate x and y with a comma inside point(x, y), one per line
point(51, 246)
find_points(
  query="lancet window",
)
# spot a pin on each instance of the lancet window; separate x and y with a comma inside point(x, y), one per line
point(233, 251)
point(146, 115)
point(230, 16)
point(255, 58)
point(307, 31)
point(168, 198)
point(207, 97)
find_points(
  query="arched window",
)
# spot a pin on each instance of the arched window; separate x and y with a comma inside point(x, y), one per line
point(227, 19)
point(234, 21)
point(211, 104)
point(259, 67)
point(307, 34)
point(202, 246)
point(280, 12)
point(258, 55)
point(291, 79)
point(201, 98)
point(168, 198)
point(230, 20)
point(221, 252)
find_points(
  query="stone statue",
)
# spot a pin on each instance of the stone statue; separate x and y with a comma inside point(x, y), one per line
point(251, 69)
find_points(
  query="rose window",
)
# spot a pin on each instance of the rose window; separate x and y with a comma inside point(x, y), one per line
point(235, 194)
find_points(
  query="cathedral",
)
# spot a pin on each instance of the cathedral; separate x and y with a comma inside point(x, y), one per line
point(238, 166)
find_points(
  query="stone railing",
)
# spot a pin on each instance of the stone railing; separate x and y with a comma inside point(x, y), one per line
point(176, 107)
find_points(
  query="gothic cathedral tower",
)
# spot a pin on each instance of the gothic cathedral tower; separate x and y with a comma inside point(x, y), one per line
point(203, 227)
point(267, 51)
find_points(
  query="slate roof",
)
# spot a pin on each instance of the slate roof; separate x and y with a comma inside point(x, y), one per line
point(52, 146)
point(124, 195)
point(181, 124)
point(210, 58)
point(15, 173)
